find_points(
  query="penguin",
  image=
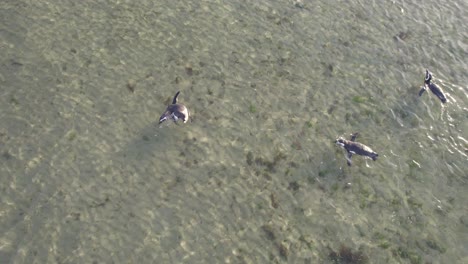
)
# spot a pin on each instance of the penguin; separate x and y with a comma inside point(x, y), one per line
point(353, 147)
point(434, 88)
point(175, 111)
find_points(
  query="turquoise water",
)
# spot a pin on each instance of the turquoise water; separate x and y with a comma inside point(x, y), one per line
point(88, 175)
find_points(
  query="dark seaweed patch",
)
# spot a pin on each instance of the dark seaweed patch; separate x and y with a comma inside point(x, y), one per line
point(345, 255)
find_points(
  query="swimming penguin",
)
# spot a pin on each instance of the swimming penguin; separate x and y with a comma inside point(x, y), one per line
point(175, 111)
point(353, 147)
point(434, 88)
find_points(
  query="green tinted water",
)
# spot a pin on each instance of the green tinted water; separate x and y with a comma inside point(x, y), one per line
point(88, 176)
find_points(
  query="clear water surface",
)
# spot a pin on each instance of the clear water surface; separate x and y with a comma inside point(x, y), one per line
point(88, 176)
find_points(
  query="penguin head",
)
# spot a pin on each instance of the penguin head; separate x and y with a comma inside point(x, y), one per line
point(340, 142)
point(428, 77)
point(164, 117)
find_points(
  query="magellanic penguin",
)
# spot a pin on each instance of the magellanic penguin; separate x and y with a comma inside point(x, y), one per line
point(357, 148)
point(434, 88)
point(175, 111)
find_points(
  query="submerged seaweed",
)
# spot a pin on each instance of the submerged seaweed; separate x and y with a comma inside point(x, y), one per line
point(345, 255)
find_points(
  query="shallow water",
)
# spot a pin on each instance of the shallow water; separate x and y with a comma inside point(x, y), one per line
point(88, 176)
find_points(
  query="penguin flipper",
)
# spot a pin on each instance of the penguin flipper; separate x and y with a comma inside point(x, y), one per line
point(348, 158)
point(353, 136)
point(423, 89)
point(174, 101)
